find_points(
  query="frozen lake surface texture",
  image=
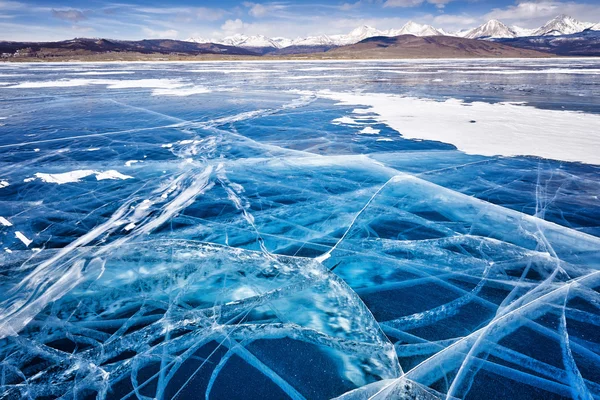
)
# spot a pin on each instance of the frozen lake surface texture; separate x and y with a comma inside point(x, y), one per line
point(304, 230)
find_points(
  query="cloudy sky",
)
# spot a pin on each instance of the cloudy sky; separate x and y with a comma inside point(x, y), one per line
point(180, 19)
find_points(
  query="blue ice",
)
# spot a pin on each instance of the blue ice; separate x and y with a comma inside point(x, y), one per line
point(180, 232)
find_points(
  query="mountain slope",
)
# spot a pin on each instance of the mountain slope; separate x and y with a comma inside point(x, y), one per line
point(95, 46)
point(491, 29)
point(586, 43)
point(409, 46)
point(561, 25)
point(412, 28)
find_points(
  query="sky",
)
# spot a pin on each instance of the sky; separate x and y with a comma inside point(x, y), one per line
point(44, 20)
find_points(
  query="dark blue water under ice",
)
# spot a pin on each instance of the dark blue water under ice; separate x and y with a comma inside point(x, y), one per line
point(243, 246)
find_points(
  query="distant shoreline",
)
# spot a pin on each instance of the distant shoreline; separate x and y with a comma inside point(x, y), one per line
point(211, 58)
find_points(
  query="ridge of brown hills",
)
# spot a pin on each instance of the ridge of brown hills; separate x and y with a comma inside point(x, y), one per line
point(404, 46)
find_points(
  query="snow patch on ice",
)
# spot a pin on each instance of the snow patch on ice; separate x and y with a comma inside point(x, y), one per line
point(507, 129)
point(181, 91)
point(77, 175)
point(5, 222)
point(109, 83)
point(346, 121)
point(23, 238)
point(111, 174)
point(234, 71)
point(369, 131)
point(104, 73)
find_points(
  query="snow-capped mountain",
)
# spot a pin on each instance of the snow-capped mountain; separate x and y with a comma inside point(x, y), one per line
point(358, 34)
point(561, 25)
point(493, 29)
point(282, 42)
point(321, 40)
point(241, 40)
point(412, 28)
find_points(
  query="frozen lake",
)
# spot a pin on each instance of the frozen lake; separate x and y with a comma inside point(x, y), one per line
point(263, 230)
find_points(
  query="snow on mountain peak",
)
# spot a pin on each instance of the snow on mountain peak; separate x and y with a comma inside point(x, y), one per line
point(413, 28)
point(492, 29)
point(364, 32)
point(561, 25)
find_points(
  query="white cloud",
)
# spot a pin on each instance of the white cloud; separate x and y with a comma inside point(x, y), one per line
point(154, 34)
point(402, 3)
point(11, 5)
point(350, 6)
point(69, 15)
point(232, 26)
point(439, 3)
point(209, 14)
point(80, 28)
point(262, 10)
point(258, 10)
point(188, 13)
point(415, 3)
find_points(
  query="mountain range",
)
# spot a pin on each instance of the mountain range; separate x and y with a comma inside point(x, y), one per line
point(561, 36)
point(493, 29)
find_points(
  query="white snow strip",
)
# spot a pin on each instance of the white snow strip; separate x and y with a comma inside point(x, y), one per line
point(362, 111)
point(110, 83)
point(306, 77)
point(234, 71)
point(576, 71)
point(104, 73)
point(65, 177)
point(369, 131)
point(144, 83)
point(76, 176)
point(345, 121)
point(181, 91)
point(23, 238)
point(506, 129)
point(111, 174)
point(5, 222)
point(51, 84)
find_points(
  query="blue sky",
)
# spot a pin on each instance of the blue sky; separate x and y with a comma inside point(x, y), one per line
point(57, 20)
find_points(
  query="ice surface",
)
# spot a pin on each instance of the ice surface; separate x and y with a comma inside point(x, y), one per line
point(218, 231)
